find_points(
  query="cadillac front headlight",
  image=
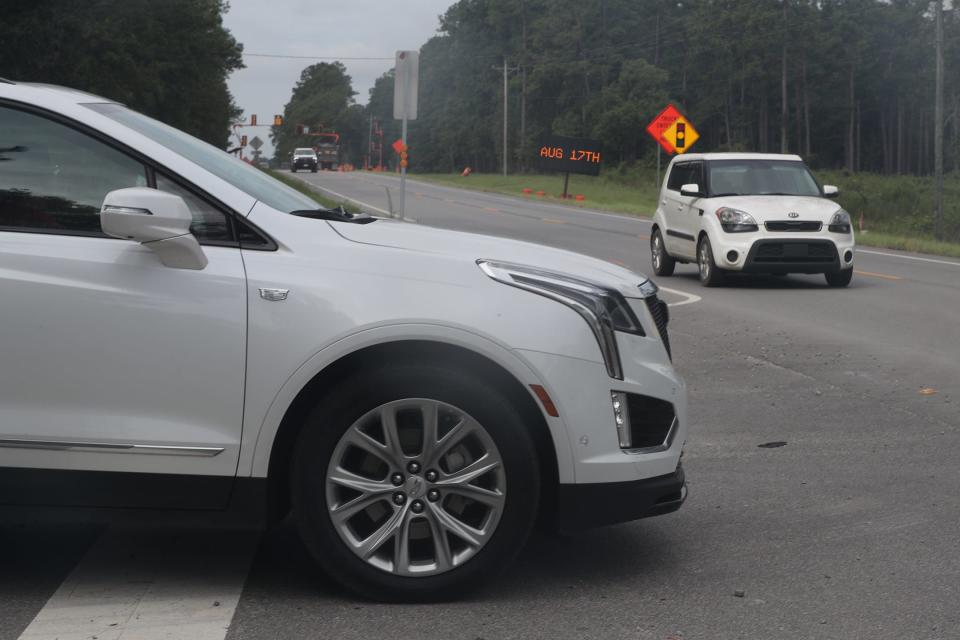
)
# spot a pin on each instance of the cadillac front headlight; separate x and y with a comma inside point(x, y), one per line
point(605, 311)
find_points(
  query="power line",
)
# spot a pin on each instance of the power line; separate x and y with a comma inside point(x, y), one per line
point(292, 57)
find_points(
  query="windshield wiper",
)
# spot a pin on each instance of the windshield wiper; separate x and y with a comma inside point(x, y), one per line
point(724, 195)
point(337, 214)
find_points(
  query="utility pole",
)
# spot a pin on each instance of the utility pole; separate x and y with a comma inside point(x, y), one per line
point(938, 132)
point(369, 144)
point(506, 105)
point(784, 109)
point(506, 110)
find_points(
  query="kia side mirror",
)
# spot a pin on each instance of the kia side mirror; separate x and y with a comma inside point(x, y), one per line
point(157, 220)
point(690, 190)
point(830, 191)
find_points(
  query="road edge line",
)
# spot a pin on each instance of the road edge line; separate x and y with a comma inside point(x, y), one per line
point(899, 255)
point(357, 203)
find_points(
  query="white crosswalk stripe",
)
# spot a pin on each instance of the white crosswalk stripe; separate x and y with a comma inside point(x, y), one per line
point(138, 584)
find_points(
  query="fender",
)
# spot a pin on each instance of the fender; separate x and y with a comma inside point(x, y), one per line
point(258, 439)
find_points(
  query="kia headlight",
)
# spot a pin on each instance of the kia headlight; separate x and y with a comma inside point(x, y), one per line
point(735, 221)
point(840, 222)
point(605, 311)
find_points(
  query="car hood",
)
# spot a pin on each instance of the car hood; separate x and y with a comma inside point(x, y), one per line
point(766, 208)
point(472, 247)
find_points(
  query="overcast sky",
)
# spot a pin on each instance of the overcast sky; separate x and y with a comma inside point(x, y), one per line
point(332, 29)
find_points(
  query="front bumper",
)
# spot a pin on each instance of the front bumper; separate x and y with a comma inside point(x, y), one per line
point(783, 253)
point(583, 506)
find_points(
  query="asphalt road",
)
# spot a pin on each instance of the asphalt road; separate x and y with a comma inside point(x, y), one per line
point(848, 530)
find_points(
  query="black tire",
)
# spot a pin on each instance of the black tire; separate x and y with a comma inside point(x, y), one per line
point(314, 170)
point(839, 278)
point(352, 399)
point(663, 263)
point(293, 170)
point(710, 274)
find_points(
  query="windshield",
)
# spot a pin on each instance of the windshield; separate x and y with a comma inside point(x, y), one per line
point(760, 178)
point(303, 152)
point(248, 179)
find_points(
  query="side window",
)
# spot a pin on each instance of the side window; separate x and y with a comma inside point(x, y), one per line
point(679, 176)
point(696, 175)
point(53, 179)
point(209, 223)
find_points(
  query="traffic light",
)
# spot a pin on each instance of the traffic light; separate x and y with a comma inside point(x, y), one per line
point(243, 141)
point(278, 120)
point(404, 158)
point(681, 135)
point(253, 120)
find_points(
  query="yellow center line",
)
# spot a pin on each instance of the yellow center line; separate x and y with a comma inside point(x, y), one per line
point(552, 221)
point(876, 275)
point(491, 209)
point(620, 262)
point(643, 237)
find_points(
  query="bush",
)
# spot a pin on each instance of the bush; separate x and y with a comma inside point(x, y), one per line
point(897, 204)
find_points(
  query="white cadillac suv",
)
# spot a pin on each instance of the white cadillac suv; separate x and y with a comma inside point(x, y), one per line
point(184, 337)
point(753, 213)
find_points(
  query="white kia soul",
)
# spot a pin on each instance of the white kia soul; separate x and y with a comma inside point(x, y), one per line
point(184, 336)
point(752, 213)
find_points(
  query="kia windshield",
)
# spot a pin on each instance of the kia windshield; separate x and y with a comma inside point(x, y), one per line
point(760, 178)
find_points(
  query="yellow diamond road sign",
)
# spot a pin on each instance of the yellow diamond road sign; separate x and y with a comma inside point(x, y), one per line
point(681, 134)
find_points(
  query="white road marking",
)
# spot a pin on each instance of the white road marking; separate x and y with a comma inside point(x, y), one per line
point(897, 255)
point(353, 201)
point(690, 298)
point(139, 584)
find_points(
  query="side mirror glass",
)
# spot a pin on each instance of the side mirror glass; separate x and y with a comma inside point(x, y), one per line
point(690, 190)
point(830, 191)
point(160, 221)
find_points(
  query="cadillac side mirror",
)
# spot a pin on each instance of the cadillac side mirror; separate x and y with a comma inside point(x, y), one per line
point(690, 191)
point(157, 220)
point(830, 191)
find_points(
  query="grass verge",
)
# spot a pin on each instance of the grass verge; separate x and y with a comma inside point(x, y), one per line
point(599, 192)
point(907, 243)
point(312, 193)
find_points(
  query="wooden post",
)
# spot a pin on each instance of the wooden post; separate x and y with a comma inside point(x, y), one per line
point(566, 183)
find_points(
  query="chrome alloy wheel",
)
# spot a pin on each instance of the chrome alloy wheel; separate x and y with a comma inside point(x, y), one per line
point(415, 487)
point(657, 251)
point(704, 261)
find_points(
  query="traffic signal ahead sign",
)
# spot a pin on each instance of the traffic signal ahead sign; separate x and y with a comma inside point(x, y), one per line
point(672, 131)
point(681, 134)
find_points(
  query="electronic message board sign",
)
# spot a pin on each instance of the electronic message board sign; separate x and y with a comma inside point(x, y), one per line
point(569, 155)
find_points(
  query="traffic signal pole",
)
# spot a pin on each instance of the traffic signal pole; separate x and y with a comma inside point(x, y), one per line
point(403, 172)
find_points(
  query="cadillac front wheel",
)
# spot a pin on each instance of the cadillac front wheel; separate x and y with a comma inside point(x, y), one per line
point(414, 483)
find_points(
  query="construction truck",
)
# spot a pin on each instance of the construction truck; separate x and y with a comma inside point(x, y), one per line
point(327, 147)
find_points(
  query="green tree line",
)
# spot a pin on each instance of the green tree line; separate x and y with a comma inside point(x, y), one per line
point(846, 83)
point(168, 59)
